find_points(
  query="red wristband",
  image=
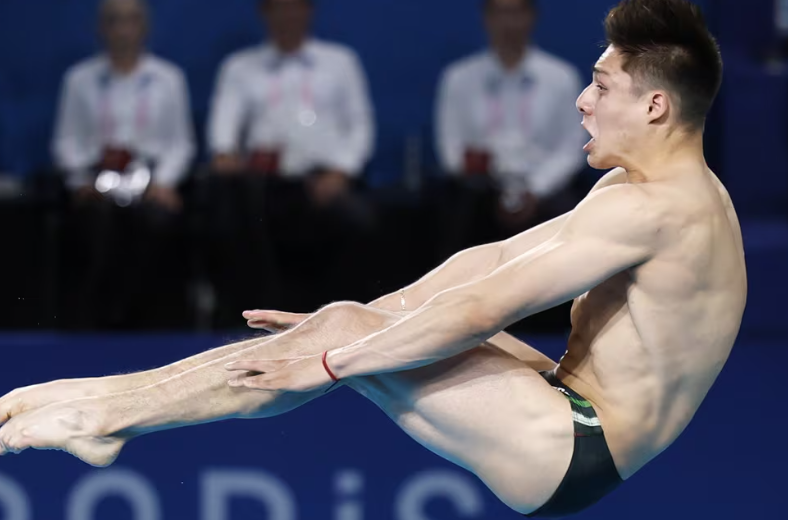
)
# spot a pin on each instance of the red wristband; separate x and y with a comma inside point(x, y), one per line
point(325, 365)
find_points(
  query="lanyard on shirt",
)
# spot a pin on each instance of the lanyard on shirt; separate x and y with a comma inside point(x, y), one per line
point(495, 107)
point(108, 123)
point(306, 112)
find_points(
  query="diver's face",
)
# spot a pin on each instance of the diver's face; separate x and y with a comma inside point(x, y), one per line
point(612, 113)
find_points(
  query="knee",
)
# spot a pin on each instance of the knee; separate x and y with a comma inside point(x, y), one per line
point(343, 310)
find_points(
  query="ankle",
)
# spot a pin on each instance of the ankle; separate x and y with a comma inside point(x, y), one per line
point(119, 415)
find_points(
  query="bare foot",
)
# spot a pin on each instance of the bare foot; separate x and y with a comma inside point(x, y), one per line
point(31, 398)
point(76, 427)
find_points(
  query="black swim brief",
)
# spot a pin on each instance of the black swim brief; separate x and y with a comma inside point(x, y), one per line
point(592, 474)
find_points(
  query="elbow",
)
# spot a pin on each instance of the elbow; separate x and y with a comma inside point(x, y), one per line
point(471, 312)
point(486, 321)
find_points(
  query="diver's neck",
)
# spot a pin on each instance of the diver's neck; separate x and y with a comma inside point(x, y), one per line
point(673, 157)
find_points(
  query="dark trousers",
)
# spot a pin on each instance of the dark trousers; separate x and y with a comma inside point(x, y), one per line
point(124, 267)
point(270, 247)
point(28, 262)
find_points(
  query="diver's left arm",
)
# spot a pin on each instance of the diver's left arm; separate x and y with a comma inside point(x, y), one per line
point(611, 231)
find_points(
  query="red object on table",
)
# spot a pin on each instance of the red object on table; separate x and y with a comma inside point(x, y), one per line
point(115, 159)
point(477, 162)
point(265, 162)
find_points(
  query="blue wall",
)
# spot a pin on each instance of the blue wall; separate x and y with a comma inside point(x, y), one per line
point(404, 45)
point(729, 464)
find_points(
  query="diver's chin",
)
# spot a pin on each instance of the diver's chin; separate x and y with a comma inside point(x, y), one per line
point(599, 162)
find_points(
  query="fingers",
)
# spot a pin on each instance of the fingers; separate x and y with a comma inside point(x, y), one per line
point(264, 320)
point(273, 317)
point(262, 325)
point(261, 382)
point(273, 321)
point(256, 374)
point(251, 365)
point(271, 382)
point(260, 375)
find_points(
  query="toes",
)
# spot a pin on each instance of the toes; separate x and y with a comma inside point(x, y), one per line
point(5, 407)
point(11, 444)
point(10, 408)
point(15, 438)
point(5, 439)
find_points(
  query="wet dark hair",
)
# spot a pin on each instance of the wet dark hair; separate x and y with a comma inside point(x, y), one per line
point(666, 44)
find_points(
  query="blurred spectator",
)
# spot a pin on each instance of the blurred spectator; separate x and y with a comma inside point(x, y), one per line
point(291, 131)
point(508, 131)
point(781, 22)
point(124, 141)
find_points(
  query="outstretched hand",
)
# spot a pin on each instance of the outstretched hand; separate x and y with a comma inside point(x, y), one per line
point(274, 321)
point(305, 374)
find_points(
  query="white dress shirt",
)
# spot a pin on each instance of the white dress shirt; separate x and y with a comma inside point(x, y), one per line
point(525, 119)
point(311, 106)
point(146, 112)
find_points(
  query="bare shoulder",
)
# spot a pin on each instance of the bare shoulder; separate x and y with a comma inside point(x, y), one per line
point(619, 212)
point(724, 195)
point(611, 178)
point(730, 210)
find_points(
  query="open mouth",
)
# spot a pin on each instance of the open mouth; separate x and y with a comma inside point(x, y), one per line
point(590, 145)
